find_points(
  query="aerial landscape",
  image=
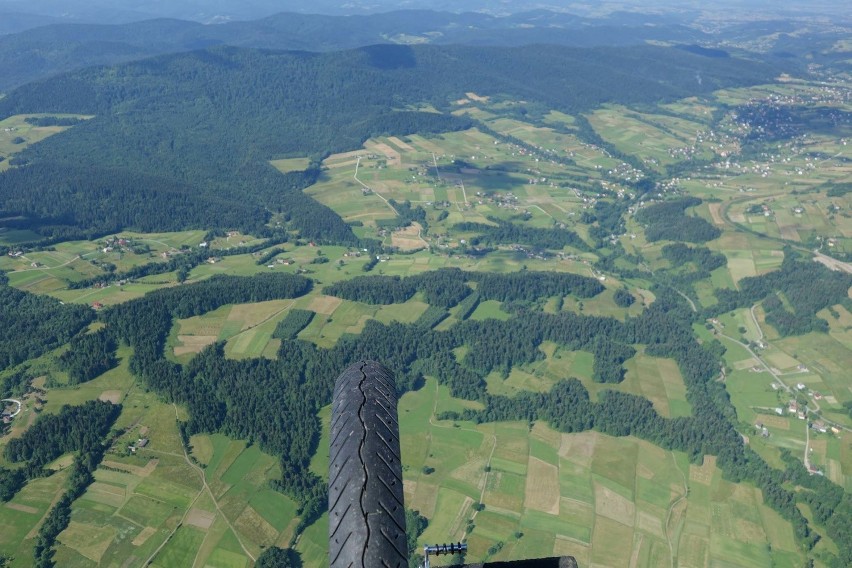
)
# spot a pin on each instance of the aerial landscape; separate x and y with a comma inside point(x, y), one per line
point(605, 250)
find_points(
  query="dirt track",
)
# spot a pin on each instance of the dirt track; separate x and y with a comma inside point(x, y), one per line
point(833, 263)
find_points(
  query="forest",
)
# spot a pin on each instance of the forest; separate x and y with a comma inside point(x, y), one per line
point(31, 325)
point(505, 232)
point(668, 221)
point(295, 321)
point(89, 356)
point(447, 287)
point(74, 428)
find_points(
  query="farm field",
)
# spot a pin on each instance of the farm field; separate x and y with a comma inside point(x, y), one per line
point(565, 492)
point(658, 140)
point(151, 506)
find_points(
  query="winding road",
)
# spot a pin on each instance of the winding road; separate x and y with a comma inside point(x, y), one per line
point(365, 186)
point(815, 411)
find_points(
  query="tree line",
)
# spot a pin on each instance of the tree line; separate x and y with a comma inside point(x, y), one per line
point(447, 287)
point(505, 232)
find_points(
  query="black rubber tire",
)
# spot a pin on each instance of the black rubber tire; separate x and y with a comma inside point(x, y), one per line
point(366, 516)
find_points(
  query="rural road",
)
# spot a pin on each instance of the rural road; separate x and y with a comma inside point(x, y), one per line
point(675, 503)
point(754, 319)
point(777, 376)
point(688, 299)
point(365, 186)
point(43, 268)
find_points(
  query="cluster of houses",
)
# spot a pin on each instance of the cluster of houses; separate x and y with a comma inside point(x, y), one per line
point(140, 443)
point(114, 244)
point(793, 408)
point(282, 261)
point(8, 413)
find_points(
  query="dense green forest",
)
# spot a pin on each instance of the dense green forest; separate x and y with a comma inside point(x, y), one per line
point(89, 356)
point(505, 232)
point(183, 141)
point(295, 321)
point(447, 287)
point(72, 429)
point(704, 260)
point(31, 325)
point(668, 221)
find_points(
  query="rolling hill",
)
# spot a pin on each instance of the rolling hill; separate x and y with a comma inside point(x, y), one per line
point(58, 48)
point(181, 133)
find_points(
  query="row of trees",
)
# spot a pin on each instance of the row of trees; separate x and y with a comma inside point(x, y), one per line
point(504, 233)
point(447, 287)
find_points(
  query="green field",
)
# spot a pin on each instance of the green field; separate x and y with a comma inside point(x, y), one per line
point(155, 498)
point(566, 492)
point(286, 165)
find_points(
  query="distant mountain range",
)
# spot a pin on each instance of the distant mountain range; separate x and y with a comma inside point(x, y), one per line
point(218, 11)
point(58, 48)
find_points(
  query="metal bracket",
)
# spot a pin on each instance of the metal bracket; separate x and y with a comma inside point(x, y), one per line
point(439, 549)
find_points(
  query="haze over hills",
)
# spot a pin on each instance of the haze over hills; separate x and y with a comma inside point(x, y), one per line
point(211, 11)
point(43, 47)
point(49, 50)
point(54, 49)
